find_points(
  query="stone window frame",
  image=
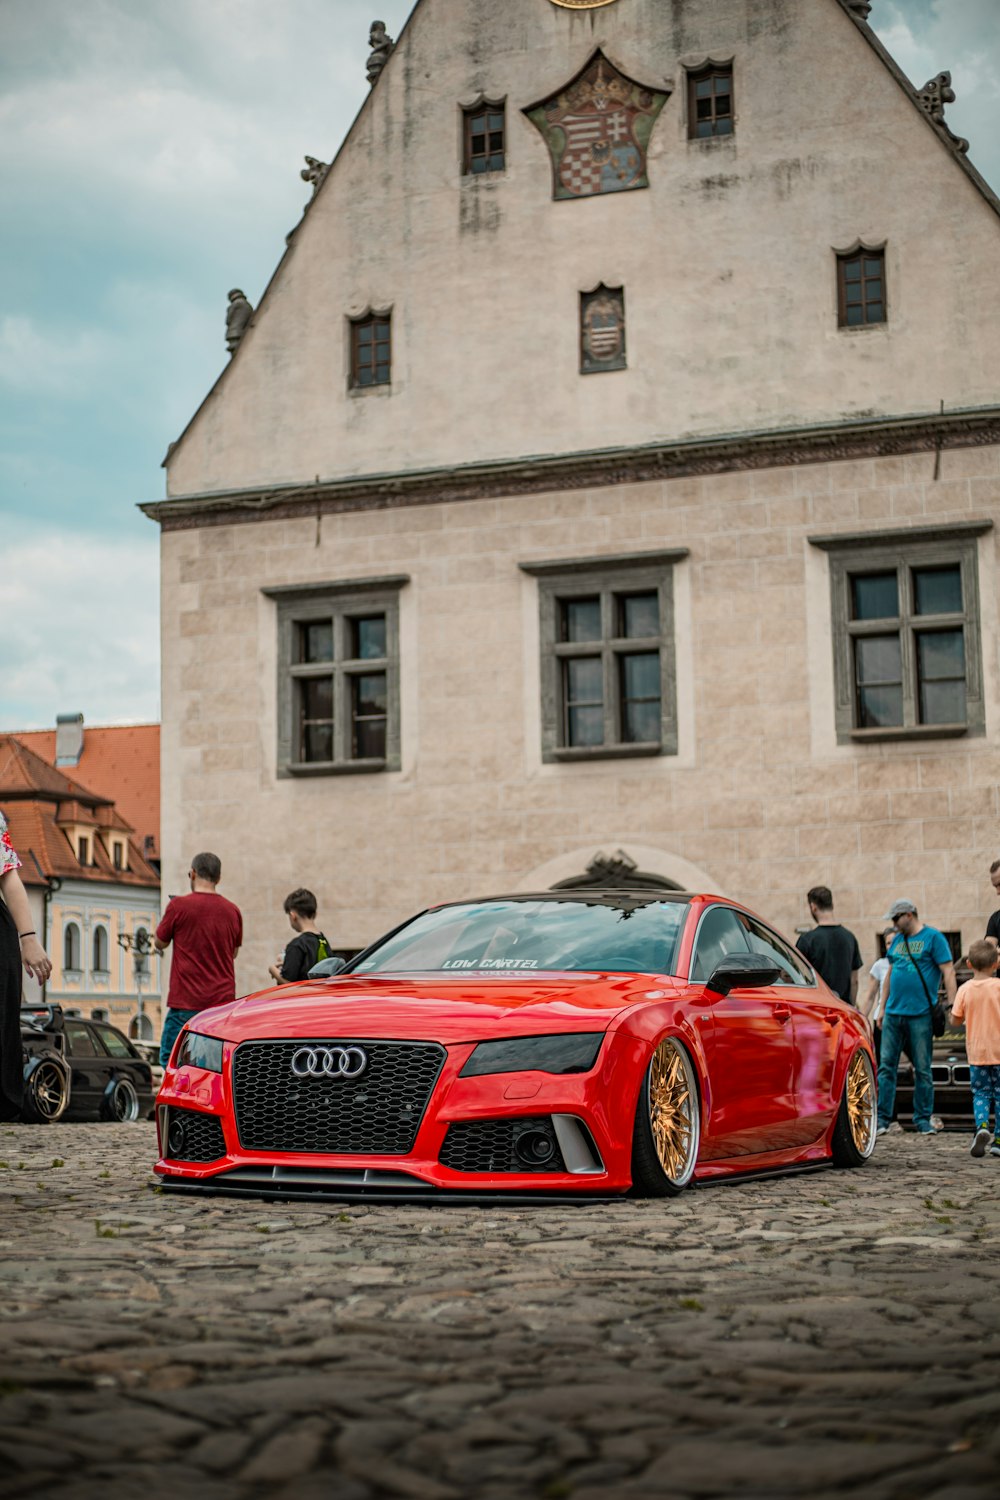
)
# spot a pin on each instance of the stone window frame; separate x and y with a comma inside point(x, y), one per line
point(587, 364)
point(711, 68)
point(372, 317)
point(582, 577)
point(851, 554)
point(339, 601)
point(469, 112)
point(860, 250)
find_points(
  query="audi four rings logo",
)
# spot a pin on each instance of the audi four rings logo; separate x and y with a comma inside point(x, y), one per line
point(329, 1062)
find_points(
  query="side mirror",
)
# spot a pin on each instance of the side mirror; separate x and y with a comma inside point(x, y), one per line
point(326, 968)
point(743, 971)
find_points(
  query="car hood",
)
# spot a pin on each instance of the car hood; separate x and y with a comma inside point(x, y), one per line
point(440, 1007)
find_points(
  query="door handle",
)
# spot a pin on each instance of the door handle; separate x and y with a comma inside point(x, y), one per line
point(782, 1014)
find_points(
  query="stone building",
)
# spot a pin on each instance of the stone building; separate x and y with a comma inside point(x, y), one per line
point(94, 897)
point(605, 481)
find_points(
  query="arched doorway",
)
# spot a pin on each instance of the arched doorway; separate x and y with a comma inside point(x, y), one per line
point(633, 866)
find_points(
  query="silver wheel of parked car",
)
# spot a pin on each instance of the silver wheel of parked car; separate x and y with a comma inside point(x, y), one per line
point(46, 1093)
point(121, 1102)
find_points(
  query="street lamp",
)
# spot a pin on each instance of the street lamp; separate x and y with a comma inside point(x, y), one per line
point(140, 945)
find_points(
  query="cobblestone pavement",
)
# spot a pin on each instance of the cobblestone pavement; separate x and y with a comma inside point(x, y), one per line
point(812, 1336)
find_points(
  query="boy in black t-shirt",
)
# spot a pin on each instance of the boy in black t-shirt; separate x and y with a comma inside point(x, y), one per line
point(309, 944)
point(831, 949)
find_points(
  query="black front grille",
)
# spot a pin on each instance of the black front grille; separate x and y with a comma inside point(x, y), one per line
point(491, 1146)
point(377, 1113)
point(192, 1136)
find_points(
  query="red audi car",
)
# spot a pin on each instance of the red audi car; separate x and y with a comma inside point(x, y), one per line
point(570, 1043)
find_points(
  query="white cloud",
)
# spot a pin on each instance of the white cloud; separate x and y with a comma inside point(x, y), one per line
point(80, 628)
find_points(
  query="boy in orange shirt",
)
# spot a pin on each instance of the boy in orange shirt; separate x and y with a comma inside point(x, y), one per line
point(978, 1005)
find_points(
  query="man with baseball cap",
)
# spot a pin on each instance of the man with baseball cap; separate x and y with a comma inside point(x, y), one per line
point(919, 958)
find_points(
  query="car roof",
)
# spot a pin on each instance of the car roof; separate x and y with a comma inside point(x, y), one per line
point(599, 896)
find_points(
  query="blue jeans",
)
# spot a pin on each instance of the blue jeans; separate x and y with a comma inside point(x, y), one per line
point(174, 1024)
point(985, 1079)
point(915, 1036)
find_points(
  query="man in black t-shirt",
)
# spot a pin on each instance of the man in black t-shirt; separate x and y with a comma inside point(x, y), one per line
point(831, 949)
point(993, 925)
point(309, 944)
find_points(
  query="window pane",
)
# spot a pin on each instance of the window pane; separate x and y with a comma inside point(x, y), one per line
point(940, 654)
point(875, 596)
point(852, 270)
point(855, 317)
point(878, 659)
point(873, 291)
point(585, 726)
point(724, 127)
point(876, 313)
point(584, 681)
point(937, 591)
point(581, 619)
point(722, 104)
point(942, 703)
point(479, 164)
point(641, 675)
point(369, 739)
point(368, 637)
point(640, 616)
point(705, 127)
point(853, 292)
point(873, 267)
point(642, 723)
point(370, 694)
point(496, 122)
point(880, 708)
point(317, 698)
point(317, 742)
point(704, 88)
point(316, 641)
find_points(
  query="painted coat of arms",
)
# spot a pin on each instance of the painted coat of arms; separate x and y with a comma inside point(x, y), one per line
point(597, 130)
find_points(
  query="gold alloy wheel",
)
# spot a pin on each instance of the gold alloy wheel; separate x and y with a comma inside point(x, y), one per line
point(861, 1113)
point(673, 1111)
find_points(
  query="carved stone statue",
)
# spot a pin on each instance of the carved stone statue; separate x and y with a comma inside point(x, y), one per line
point(314, 171)
point(381, 44)
point(934, 95)
point(238, 315)
point(860, 8)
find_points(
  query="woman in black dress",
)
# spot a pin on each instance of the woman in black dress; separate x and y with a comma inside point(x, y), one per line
point(18, 945)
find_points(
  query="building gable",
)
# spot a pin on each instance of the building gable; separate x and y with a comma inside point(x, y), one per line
point(727, 259)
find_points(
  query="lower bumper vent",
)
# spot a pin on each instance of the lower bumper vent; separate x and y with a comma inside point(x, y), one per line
point(192, 1136)
point(521, 1145)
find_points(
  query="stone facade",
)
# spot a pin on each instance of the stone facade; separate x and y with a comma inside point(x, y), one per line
point(747, 430)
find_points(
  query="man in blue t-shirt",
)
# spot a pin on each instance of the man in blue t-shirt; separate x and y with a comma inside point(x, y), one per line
point(919, 958)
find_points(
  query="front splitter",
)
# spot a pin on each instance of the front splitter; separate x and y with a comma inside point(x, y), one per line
point(276, 1193)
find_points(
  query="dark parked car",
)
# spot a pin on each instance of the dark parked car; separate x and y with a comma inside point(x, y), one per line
point(81, 1070)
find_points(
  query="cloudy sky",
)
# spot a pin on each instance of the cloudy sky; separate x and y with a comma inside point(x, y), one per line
point(149, 159)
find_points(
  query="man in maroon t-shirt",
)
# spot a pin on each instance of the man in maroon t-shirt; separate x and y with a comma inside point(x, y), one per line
point(206, 931)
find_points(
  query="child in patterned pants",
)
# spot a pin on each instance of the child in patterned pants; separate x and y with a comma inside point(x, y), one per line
point(978, 1005)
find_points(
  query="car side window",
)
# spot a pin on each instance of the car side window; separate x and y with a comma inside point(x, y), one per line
point(79, 1040)
point(793, 968)
point(719, 934)
point(114, 1042)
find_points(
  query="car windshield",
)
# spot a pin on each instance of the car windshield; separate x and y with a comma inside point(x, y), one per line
point(631, 936)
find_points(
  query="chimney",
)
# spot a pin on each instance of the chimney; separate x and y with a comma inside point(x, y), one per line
point(69, 739)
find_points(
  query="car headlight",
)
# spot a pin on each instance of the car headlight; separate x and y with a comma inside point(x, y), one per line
point(575, 1053)
point(196, 1050)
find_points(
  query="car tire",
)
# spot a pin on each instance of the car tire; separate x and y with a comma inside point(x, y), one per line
point(121, 1102)
point(667, 1130)
point(46, 1093)
point(857, 1119)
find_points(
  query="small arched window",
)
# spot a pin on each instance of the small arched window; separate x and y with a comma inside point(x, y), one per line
point(140, 1028)
point(71, 947)
point(100, 954)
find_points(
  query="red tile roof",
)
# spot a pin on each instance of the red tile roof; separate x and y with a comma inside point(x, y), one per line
point(121, 762)
point(38, 801)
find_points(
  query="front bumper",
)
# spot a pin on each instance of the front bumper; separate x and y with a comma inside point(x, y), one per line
point(591, 1117)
